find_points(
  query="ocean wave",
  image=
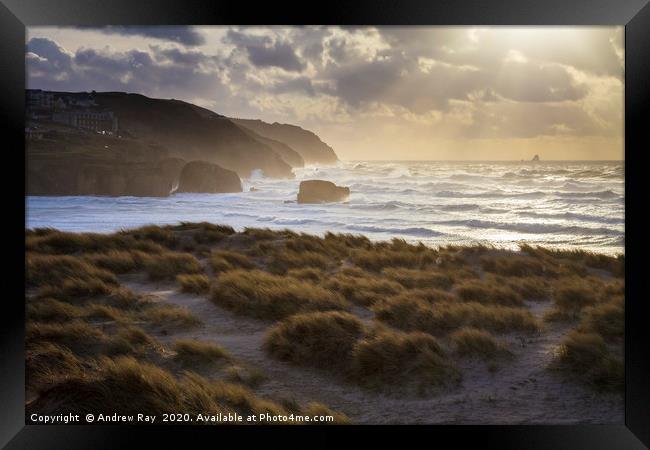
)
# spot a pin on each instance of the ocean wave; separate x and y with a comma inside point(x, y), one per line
point(458, 207)
point(604, 195)
point(411, 231)
point(532, 228)
point(297, 221)
point(492, 194)
point(573, 216)
point(391, 205)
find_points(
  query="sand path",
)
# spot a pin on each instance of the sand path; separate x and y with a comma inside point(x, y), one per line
point(520, 390)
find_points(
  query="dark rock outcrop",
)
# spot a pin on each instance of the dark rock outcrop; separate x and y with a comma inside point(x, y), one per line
point(320, 191)
point(202, 176)
point(306, 143)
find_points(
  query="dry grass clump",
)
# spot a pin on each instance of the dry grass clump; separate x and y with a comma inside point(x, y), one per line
point(53, 269)
point(129, 340)
point(261, 234)
point(118, 261)
point(404, 359)
point(572, 295)
point(124, 298)
point(379, 258)
point(60, 242)
point(426, 295)
point(362, 289)
point(323, 339)
point(469, 341)
point(75, 289)
point(126, 386)
point(443, 317)
point(606, 319)
point(85, 339)
point(78, 336)
point(49, 309)
point(222, 260)
point(194, 284)
point(169, 316)
point(282, 260)
point(123, 385)
point(104, 312)
point(160, 235)
point(587, 355)
point(205, 232)
point(310, 243)
point(263, 295)
point(410, 278)
point(190, 352)
point(307, 274)
point(168, 265)
point(530, 288)
point(348, 240)
point(482, 292)
point(513, 265)
point(613, 264)
point(47, 363)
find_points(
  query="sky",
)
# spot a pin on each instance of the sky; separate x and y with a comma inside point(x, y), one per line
point(391, 93)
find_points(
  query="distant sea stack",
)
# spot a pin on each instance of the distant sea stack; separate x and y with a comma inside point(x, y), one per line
point(201, 176)
point(320, 191)
point(535, 158)
point(307, 144)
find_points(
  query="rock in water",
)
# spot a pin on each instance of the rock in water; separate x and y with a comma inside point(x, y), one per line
point(320, 191)
point(535, 158)
point(201, 176)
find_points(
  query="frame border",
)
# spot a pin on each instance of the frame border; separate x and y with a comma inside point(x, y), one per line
point(634, 14)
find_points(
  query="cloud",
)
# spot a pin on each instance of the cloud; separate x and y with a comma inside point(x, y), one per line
point(263, 51)
point(457, 83)
point(155, 71)
point(179, 34)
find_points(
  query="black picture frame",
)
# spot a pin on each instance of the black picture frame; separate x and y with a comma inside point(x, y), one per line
point(15, 15)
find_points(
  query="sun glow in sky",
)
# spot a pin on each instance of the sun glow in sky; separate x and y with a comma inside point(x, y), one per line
point(372, 93)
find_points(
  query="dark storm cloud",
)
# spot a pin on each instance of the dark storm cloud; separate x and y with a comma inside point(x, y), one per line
point(300, 84)
point(47, 59)
point(266, 52)
point(182, 35)
point(161, 72)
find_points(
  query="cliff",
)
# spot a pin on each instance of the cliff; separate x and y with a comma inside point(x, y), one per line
point(73, 162)
point(193, 133)
point(306, 143)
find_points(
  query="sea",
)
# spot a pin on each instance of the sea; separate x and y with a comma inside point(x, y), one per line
point(559, 204)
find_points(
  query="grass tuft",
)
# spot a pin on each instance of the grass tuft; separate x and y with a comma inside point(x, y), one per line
point(405, 359)
point(469, 341)
point(323, 339)
point(194, 284)
point(190, 352)
point(262, 295)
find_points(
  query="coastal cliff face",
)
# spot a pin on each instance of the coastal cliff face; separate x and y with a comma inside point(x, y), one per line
point(153, 143)
point(289, 155)
point(306, 143)
point(193, 133)
point(72, 162)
